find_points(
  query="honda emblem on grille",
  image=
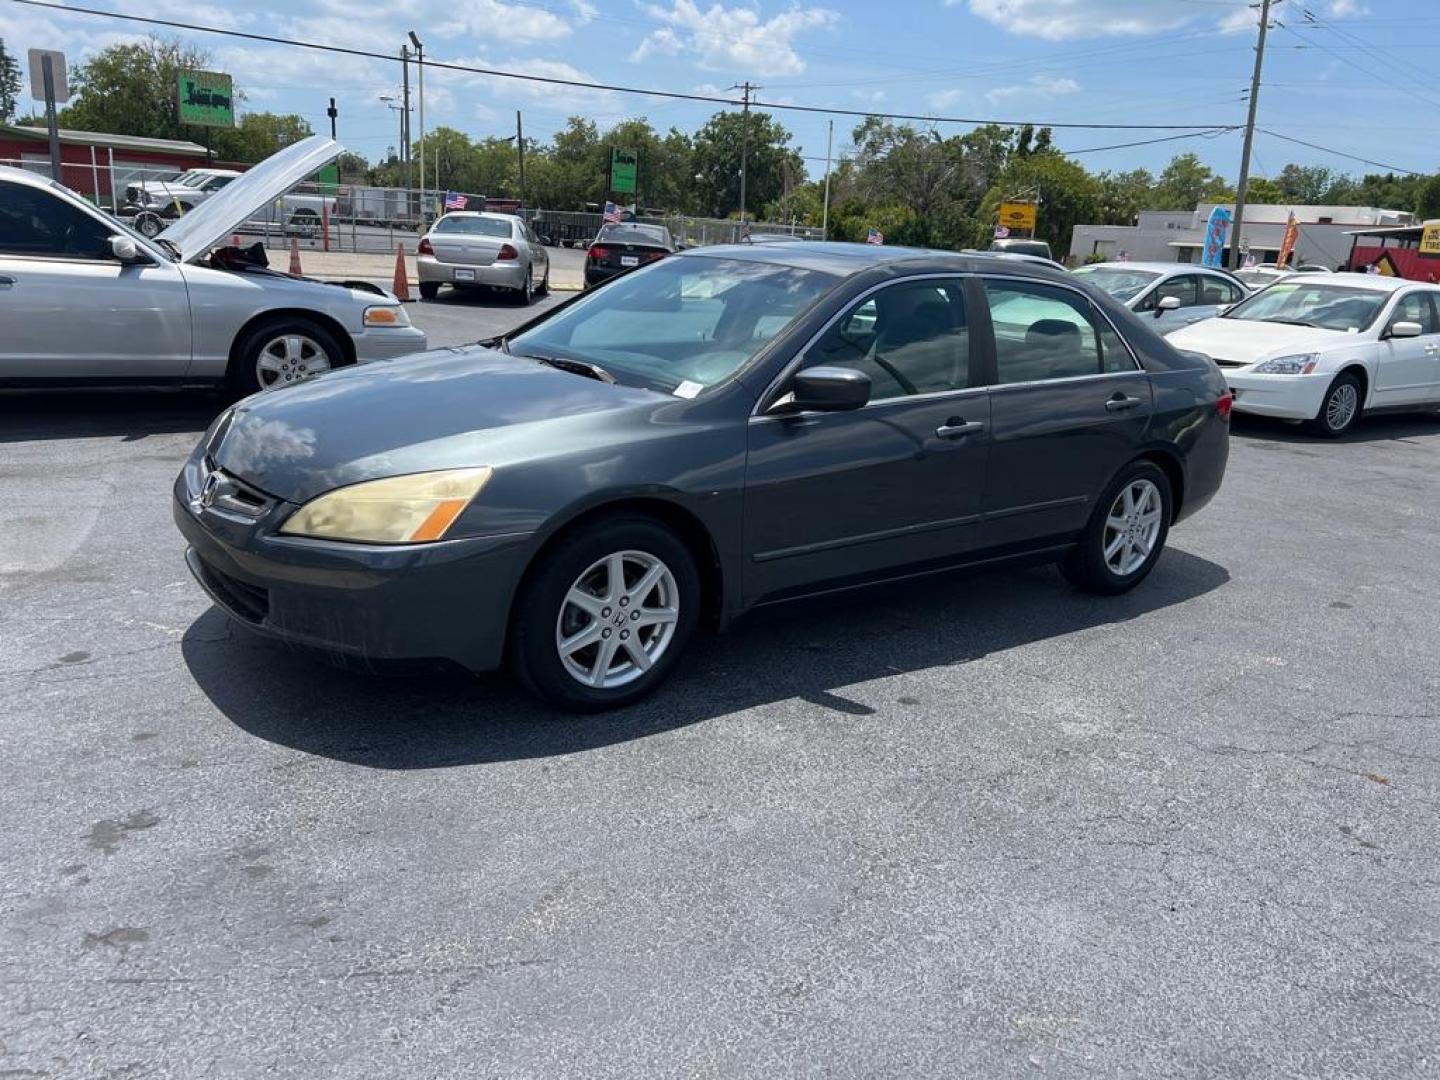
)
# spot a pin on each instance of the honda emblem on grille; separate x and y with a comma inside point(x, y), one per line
point(213, 488)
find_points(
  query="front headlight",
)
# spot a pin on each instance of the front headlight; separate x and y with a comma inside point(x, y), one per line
point(414, 509)
point(387, 315)
point(1299, 364)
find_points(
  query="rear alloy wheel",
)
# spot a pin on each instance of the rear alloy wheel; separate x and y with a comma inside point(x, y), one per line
point(283, 353)
point(429, 290)
point(1125, 534)
point(526, 293)
point(606, 616)
point(544, 289)
point(1340, 408)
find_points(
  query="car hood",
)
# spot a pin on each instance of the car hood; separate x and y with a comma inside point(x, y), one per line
point(1247, 341)
point(445, 409)
point(222, 212)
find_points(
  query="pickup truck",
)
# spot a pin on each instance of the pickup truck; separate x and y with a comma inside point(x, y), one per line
point(153, 204)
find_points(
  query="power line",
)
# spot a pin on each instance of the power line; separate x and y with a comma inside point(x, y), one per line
point(552, 80)
point(1341, 153)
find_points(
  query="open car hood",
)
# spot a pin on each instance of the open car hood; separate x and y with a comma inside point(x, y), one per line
point(240, 200)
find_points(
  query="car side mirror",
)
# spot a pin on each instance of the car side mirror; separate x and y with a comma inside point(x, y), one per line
point(1167, 303)
point(825, 389)
point(1405, 329)
point(123, 249)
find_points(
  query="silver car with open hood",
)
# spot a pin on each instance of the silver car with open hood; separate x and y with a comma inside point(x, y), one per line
point(85, 300)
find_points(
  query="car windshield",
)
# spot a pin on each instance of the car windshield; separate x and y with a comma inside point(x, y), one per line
point(1118, 282)
point(1308, 303)
point(679, 325)
point(474, 226)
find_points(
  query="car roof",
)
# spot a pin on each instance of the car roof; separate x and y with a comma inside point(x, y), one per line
point(846, 260)
point(1159, 267)
point(479, 214)
point(24, 176)
point(1373, 282)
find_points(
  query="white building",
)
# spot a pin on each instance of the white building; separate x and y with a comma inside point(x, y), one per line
point(1178, 236)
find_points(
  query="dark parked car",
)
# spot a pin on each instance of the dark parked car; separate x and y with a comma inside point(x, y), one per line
point(728, 428)
point(624, 246)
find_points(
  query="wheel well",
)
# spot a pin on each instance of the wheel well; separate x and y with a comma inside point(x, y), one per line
point(1360, 373)
point(1174, 473)
point(280, 314)
point(684, 524)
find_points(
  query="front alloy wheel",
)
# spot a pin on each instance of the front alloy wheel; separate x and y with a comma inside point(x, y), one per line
point(1340, 408)
point(605, 614)
point(288, 358)
point(617, 619)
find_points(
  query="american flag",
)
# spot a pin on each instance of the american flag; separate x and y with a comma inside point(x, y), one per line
point(454, 200)
point(1001, 232)
point(874, 236)
point(612, 214)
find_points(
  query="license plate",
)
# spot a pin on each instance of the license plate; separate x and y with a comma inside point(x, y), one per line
point(464, 275)
point(629, 260)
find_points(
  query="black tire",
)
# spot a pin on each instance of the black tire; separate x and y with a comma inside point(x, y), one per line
point(149, 224)
point(541, 605)
point(1330, 422)
point(243, 375)
point(544, 287)
point(526, 293)
point(1087, 567)
point(429, 290)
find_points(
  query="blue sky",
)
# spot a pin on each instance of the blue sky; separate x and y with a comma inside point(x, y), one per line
point(1353, 75)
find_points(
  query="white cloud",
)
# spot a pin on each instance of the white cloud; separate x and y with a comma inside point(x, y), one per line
point(1060, 20)
point(1038, 86)
point(947, 99)
point(1347, 9)
point(732, 39)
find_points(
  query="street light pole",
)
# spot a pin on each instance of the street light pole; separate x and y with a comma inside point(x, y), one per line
point(1244, 184)
point(825, 221)
point(420, 68)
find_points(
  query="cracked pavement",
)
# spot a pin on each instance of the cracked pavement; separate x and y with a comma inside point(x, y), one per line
point(981, 826)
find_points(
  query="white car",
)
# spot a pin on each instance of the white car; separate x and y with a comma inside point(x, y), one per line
point(1170, 295)
point(1323, 348)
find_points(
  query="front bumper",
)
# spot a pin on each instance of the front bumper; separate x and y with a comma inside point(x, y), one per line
point(1288, 397)
point(387, 342)
point(370, 605)
point(504, 275)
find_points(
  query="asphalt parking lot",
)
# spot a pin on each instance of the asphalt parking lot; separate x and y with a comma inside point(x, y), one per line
point(980, 826)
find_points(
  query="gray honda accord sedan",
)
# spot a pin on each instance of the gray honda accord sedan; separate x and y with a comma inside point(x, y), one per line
point(728, 428)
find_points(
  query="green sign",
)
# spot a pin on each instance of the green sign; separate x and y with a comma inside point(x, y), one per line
point(329, 179)
point(623, 166)
point(206, 99)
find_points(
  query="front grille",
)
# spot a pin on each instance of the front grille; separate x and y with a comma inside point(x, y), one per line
point(249, 602)
point(224, 492)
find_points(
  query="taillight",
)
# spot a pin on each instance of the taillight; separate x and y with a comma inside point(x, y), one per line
point(598, 253)
point(426, 248)
point(1224, 403)
point(506, 252)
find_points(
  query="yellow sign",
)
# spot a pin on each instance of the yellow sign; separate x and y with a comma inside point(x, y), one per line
point(1430, 238)
point(1018, 215)
point(1386, 265)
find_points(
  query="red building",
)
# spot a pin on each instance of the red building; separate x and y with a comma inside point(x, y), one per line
point(1408, 251)
point(95, 164)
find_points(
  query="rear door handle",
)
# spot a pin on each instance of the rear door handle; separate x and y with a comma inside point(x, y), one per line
point(955, 428)
point(6, 281)
point(1119, 403)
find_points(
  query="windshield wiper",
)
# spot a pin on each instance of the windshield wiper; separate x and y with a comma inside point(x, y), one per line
point(501, 342)
point(575, 367)
point(1292, 322)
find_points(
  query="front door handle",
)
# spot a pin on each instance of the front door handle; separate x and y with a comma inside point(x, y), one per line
point(1119, 403)
point(6, 281)
point(955, 428)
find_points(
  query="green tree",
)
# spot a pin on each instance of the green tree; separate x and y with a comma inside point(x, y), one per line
point(130, 89)
point(1187, 182)
point(898, 164)
point(1124, 195)
point(1069, 196)
point(1427, 200)
point(9, 84)
point(258, 135)
point(1305, 184)
point(717, 162)
point(1265, 192)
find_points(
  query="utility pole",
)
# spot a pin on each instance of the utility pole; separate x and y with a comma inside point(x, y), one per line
point(1240, 188)
point(332, 112)
point(825, 221)
point(420, 70)
point(747, 90)
point(520, 152)
point(405, 116)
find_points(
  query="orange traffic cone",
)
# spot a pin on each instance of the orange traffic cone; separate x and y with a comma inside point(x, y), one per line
point(401, 285)
point(295, 257)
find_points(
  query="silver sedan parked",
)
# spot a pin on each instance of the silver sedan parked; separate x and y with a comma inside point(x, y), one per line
point(468, 249)
point(1173, 294)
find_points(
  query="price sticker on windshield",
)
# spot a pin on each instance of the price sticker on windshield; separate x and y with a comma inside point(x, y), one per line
point(688, 389)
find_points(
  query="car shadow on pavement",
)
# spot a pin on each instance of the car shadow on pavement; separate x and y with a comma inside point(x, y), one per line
point(480, 296)
point(131, 415)
point(1381, 427)
point(811, 651)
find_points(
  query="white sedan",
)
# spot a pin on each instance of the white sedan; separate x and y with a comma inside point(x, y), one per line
point(1324, 348)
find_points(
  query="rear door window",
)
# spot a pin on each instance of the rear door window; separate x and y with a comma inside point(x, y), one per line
point(1046, 332)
